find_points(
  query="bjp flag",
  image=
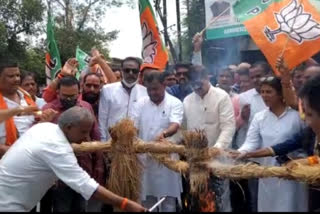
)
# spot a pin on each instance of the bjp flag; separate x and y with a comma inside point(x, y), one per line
point(154, 53)
point(288, 27)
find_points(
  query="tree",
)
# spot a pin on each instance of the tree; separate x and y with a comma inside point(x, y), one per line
point(34, 62)
point(78, 23)
point(193, 22)
point(18, 17)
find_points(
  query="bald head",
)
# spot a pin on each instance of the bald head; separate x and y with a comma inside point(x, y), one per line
point(74, 116)
point(76, 123)
point(310, 72)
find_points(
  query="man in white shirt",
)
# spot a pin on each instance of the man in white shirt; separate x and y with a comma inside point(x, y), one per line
point(157, 117)
point(45, 154)
point(210, 108)
point(117, 100)
point(252, 103)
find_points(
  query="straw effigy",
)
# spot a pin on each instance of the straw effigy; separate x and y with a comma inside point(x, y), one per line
point(175, 165)
point(125, 171)
point(197, 152)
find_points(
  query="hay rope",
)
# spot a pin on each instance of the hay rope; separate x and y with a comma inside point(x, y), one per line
point(302, 173)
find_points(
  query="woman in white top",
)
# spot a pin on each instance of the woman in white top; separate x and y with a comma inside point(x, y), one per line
point(29, 84)
point(275, 124)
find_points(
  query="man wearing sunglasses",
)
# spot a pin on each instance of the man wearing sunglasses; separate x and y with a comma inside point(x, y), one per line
point(118, 100)
point(182, 89)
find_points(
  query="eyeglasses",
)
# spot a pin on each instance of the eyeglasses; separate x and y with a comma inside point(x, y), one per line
point(181, 74)
point(267, 79)
point(134, 71)
point(171, 79)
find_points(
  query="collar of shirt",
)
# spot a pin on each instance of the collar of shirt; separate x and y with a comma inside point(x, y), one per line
point(162, 102)
point(13, 103)
point(287, 109)
point(211, 90)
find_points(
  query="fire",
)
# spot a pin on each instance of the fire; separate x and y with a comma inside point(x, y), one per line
point(207, 203)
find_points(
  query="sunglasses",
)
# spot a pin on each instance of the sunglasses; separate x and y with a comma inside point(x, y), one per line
point(171, 79)
point(181, 74)
point(134, 71)
point(267, 79)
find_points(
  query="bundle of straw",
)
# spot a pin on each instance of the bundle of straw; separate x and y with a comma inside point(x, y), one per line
point(178, 166)
point(125, 172)
point(303, 173)
point(197, 152)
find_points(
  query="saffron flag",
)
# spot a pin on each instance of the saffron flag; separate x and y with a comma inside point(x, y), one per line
point(53, 62)
point(154, 53)
point(288, 27)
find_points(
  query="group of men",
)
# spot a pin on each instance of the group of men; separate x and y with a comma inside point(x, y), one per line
point(35, 140)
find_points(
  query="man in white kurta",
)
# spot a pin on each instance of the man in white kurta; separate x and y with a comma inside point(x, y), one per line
point(117, 100)
point(157, 120)
point(210, 108)
point(44, 154)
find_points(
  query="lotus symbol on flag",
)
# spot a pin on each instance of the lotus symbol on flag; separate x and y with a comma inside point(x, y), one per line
point(296, 23)
point(149, 50)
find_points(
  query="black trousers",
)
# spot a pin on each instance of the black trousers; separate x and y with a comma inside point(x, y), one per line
point(240, 196)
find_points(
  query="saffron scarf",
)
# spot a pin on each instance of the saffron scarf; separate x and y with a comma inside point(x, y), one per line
point(11, 130)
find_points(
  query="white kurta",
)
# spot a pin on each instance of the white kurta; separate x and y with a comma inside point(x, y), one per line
point(40, 102)
point(214, 113)
point(254, 99)
point(33, 164)
point(266, 129)
point(22, 123)
point(116, 104)
point(152, 119)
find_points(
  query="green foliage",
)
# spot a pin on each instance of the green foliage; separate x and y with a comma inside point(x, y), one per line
point(78, 23)
point(193, 22)
point(34, 62)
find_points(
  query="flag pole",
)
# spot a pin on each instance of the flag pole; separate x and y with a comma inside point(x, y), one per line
point(213, 20)
point(288, 35)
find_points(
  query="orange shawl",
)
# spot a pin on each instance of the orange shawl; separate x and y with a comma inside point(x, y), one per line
point(11, 130)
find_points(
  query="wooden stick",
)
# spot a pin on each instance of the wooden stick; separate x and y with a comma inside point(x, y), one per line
point(214, 19)
point(288, 36)
point(139, 147)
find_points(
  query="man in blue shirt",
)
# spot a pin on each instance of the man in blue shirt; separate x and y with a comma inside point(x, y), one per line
point(183, 88)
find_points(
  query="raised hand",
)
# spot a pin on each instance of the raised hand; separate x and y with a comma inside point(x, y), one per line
point(70, 67)
point(197, 42)
point(282, 66)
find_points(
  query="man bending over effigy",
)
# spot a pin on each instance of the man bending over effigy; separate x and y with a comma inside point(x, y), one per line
point(45, 154)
